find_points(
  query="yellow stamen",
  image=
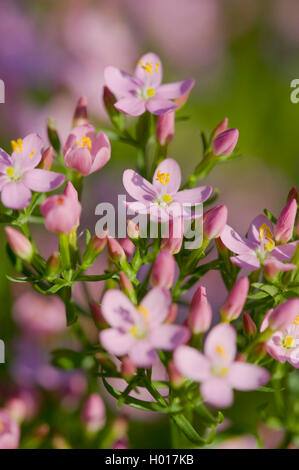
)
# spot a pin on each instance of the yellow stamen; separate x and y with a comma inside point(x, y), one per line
point(17, 146)
point(266, 234)
point(84, 142)
point(223, 371)
point(148, 67)
point(288, 342)
point(1, 426)
point(143, 311)
point(157, 66)
point(296, 321)
point(167, 198)
point(10, 171)
point(220, 350)
point(134, 331)
point(32, 153)
point(163, 177)
point(151, 92)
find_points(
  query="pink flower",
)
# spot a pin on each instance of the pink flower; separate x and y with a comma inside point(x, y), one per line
point(18, 175)
point(225, 142)
point(259, 248)
point(283, 230)
point(94, 413)
point(85, 151)
point(216, 369)
point(161, 199)
point(143, 91)
point(163, 270)
point(62, 212)
point(139, 331)
point(200, 314)
point(9, 431)
point(39, 314)
point(235, 301)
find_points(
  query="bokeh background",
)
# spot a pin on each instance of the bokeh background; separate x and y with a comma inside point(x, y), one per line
point(243, 55)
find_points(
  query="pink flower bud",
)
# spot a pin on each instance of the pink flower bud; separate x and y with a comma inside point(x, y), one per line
point(165, 128)
point(173, 242)
point(128, 246)
point(214, 222)
point(133, 230)
point(128, 368)
point(172, 314)
point(221, 127)
point(80, 115)
point(125, 283)
point(235, 301)
point(97, 316)
point(249, 327)
point(293, 194)
point(53, 264)
point(47, 159)
point(98, 243)
point(175, 377)
point(94, 413)
point(283, 230)
point(200, 313)
point(270, 270)
point(225, 142)
point(284, 315)
point(109, 100)
point(116, 252)
point(19, 244)
point(163, 270)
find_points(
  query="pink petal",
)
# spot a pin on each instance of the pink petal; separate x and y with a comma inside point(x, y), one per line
point(157, 303)
point(143, 354)
point(116, 342)
point(279, 265)
point(77, 134)
point(248, 261)
point(246, 377)
point(194, 196)
point(217, 392)
point(42, 180)
point(119, 82)
point(15, 195)
point(138, 187)
point(254, 229)
point(284, 252)
point(118, 311)
point(101, 151)
point(265, 322)
point(79, 159)
point(152, 80)
point(235, 242)
point(191, 363)
point(131, 105)
point(220, 344)
point(171, 167)
point(169, 337)
point(159, 105)
point(174, 90)
point(27, 159)
point(3, 181)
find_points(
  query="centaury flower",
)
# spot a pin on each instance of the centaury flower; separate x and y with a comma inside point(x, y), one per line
point(143, 90)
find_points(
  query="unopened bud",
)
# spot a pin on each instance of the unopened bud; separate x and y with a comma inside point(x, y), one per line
point(97, 316)
point(93, 413)
point(116, 252)
point(172, 314)
point(163, 270)
point(235, 301)
point(133, 230)
point(53, 265)
point(214, 222)
point(94, 248)
point(200, 313)
point(19, 244)
point(283, 229)
point(225, 142)
point(293, 194)
point(165, 128)
point(175, 377)
point(53, 135)
point(80, 115)
point(128, 368)
point(47, 159)
point(249, 327)
point(221, 127)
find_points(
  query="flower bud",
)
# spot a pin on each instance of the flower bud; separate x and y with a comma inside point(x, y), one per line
point(97, 316)
point(128, 368)
point(175, 377)
point(270, 270)
point(200, 313)
point(19, 244)
point(80, 115)
point(283, 230)
point(214, 222)
point(173, 242)
point(172, 314)
point(53, 265)
point(128, 246)
point(53, 135)
point(47, 159)
point(284, 315)
point(225, 142)
point(163, 270)
point(165, 128)
point(235, 301)
point(94, 413)
point(133, 230)
point(94, 248)
point(249, 327)
point(293, 194)
point(221, 127)
point(115, 250)
point(125, 284)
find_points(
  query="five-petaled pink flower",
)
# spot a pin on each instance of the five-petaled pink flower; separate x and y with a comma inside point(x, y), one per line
point(85, 151)
point(216, 369)
point(143, 91)
point(259, 249)
point(139, 331)
point(18, 175)
point(162, 199)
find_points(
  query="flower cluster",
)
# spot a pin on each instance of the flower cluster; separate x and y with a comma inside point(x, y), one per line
point(148, 315)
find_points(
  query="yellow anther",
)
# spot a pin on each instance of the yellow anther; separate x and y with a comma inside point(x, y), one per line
point(1, 426)
point(10, 171)
point(220, 350)
point(17, 146)
point(163, 177)
point(151, 92)
point(157, 66)
point(32, 153)
point(143, 311)
point(167, 198)
point(84, 142)
point(296, 321)
point(148, 67)
point(223, 371)
point(134, 331)
point(288, 342)
point(266, 234)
